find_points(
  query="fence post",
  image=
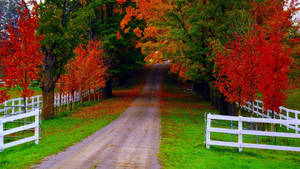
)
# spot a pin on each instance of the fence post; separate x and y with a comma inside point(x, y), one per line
point(1, 137)
point(207, 130)
point(38, 101)
point(240, 128)
point(296, 126)
point(280, 113)
point(37, 127)
point(287, 117)
point(262, 108)
point(13, 106)
point(5, 107)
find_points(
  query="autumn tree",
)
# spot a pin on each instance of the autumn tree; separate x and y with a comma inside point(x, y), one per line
point(260, 60)
point(20, 50)
point(86, 71)
point(276, 25)
point(95, 68)
point(183, 31)
point(238, 69)
point(64, 26)
point(123, 57)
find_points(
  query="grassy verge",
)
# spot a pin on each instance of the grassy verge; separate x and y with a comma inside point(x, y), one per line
point(183, 139)
point(293, 99)
point(16, 92)
point(68, 129)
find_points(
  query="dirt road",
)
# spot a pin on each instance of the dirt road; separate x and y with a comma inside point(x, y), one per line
point(131, 141)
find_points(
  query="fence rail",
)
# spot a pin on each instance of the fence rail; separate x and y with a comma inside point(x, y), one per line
point(17, 106)
point(29, 125)
point(240, 132)
point(284, 114)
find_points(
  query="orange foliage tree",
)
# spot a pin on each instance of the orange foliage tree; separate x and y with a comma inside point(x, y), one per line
point(85, 72)
point(154, 38)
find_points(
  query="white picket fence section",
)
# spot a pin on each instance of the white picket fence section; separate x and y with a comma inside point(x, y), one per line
point(240, 132)
point(67, 98)
point(34, 125)
point(14, 109)
point(16, 106)
point(285, 113)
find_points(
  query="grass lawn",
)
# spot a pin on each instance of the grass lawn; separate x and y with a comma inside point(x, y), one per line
point(183, 139)
point(293, 99)
point(68, 129)
point(16, 93)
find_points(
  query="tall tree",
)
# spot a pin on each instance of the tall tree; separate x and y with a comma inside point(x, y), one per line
point(260, 60)
point(21, 55)
point(238, 69)
point(63, 28)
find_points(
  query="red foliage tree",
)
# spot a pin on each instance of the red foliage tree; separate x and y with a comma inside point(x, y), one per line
point(238, 74)
point(275, 63)
point(260, 60)
point(20, 50)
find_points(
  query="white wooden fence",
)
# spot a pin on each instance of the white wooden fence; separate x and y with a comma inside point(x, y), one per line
point(285, 113)
point(16, 106)
point(14, 109)
point(31, 125)
point(240, 132)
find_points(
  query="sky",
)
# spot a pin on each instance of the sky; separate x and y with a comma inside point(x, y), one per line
point(297, 15)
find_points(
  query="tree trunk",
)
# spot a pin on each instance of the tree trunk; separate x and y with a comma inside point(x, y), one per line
point(25, 111)
point(89, 95)
point(81, 96)
point(239, 110)
point(65, 105)
point(73, 103)
point(107, 90)
point(48, 81)
point(60, 102)
point(252, 109)
point(68, 100)
point(272, 124)
point(48, 100)
point(55, 105)
point(25, 105)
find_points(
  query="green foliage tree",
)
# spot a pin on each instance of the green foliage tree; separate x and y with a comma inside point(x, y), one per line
point(63, 27)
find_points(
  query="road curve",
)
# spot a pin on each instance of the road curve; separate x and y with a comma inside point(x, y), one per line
point(131, 141)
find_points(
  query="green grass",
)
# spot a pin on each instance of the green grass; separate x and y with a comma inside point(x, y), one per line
point(293, 99)
point(183, 139)
point(16, 92)
point(58, 134)
point(67, 129)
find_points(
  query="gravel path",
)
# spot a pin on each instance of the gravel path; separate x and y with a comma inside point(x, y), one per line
point(131, 141)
